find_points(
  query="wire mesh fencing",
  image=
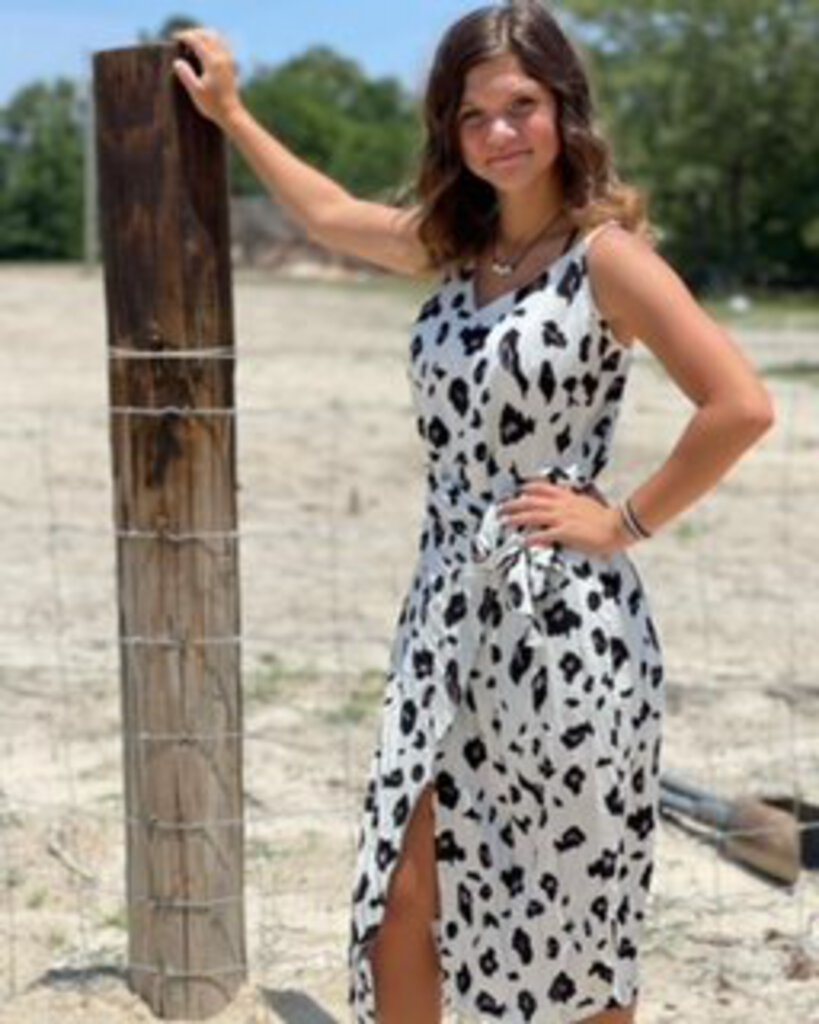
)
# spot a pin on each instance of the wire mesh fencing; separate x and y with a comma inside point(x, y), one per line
point(331, 478)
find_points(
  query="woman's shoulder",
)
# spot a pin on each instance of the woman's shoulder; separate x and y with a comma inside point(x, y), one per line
point(621, 263)
point(610, 236)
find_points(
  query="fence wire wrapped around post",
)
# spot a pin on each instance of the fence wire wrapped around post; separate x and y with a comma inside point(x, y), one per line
point(165, 243)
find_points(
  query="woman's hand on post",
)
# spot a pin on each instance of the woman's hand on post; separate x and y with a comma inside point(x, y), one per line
point(214, 91)
point(560, 515)
point(377, 232)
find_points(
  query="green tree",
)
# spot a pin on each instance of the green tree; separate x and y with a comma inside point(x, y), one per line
point(362, 132)
point(711, 106)
point(41, 173)
point(164, 34)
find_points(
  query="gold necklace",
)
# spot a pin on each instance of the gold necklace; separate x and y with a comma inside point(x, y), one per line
point(505, 268)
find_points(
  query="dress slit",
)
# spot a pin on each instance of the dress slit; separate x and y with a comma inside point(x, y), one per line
point(360, 952)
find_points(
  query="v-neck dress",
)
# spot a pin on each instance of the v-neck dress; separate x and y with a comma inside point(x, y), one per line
point(525, 684)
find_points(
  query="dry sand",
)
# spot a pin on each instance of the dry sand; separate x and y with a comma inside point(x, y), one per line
point(331, 485)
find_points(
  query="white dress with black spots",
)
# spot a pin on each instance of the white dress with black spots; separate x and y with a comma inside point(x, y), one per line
point(527, 684)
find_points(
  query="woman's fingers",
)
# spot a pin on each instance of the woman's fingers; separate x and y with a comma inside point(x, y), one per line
point(548, 514)
point(206, 44)
point(185, 69)
point(537, 491)
point(542, 538)
point(214, 88)
point(188, 77)
point(527, 501)
point(186, 74)
point(193, 39)
point(526, 511)
point(537, 517)
point(546, 520)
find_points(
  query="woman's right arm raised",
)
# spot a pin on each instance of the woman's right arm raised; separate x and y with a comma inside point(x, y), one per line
point(384, 235)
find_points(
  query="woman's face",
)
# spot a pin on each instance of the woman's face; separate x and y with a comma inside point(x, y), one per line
point(507, 125)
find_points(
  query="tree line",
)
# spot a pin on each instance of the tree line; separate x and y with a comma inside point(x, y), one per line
point(710, 107)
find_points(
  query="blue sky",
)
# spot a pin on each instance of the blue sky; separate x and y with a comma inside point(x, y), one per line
point(47, 38)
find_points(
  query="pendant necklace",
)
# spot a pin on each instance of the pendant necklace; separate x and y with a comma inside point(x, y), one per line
point(505, 268)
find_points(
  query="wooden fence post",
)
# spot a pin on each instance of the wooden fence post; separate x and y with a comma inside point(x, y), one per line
point(165, 246)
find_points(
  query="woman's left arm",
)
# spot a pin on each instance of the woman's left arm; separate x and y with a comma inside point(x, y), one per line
point(643, 298)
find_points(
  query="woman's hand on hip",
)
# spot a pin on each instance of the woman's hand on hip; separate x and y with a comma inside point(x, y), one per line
point(551, 514)
point(215, 90)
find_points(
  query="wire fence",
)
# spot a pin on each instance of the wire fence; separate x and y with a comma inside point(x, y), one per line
point(330, 501)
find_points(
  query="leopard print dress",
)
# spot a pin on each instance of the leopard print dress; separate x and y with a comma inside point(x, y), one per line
point(525, 684)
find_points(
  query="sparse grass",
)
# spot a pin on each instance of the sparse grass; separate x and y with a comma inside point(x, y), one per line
point(687, 530)
point(407, 289)
point(781, 312)
point(37, 898)
point(116, 919)
point(291, 849)
point(11, 819)
point(363, 700)
point(275, 680)
point(802, 371)
point(56, 939)
point(799, 311)
point(263, 849)
point(14, 878)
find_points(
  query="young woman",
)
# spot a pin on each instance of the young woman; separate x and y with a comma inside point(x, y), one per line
point(506, 846)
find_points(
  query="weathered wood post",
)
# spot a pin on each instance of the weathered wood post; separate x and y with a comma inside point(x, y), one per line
point(165, 246)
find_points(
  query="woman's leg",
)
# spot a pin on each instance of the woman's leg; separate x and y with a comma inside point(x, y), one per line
point(625, 1015)
point(404, 958)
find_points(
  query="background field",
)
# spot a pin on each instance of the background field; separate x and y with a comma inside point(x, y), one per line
point(331, 485)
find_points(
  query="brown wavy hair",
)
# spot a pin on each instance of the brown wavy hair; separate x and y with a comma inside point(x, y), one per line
point(458, 212)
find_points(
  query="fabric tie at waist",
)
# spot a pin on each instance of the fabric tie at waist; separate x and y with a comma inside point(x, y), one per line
point(521, 576)
point(524, 573)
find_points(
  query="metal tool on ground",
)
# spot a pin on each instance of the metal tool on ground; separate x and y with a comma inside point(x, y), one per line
point(749, 830)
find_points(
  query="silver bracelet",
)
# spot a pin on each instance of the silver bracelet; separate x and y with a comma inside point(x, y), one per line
point(632, 523)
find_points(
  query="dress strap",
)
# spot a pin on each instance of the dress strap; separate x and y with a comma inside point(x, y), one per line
point(599, 229)
point(570, 240)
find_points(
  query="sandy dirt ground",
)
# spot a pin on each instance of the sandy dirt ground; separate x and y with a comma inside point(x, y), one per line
point(331, 480)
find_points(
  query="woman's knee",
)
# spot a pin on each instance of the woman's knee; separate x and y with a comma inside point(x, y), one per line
point(413, 890)
point(622, 1015)
point(411, 896)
